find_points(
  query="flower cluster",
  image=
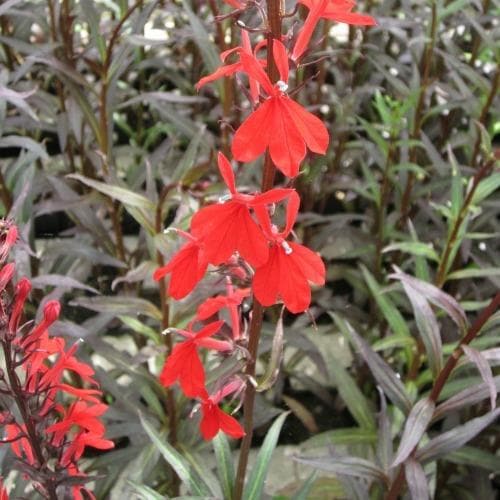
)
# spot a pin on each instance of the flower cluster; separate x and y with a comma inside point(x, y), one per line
point(48, 422)
point(238, 232)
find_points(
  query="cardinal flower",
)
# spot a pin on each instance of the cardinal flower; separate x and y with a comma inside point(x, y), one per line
point(184, 364)
point(231, 69)
point(279, 123)
point(187, 266)
point(290, 267)
point(232, 300)
point(76, 448)
point(214, 419)
point(335, 10)
point(228, 226)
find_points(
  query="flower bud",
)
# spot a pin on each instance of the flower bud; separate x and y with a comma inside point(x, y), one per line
point(23, 288)
point(6, 274)
point(51, 312)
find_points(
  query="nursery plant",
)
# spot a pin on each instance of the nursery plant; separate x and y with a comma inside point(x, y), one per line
point(249, 249)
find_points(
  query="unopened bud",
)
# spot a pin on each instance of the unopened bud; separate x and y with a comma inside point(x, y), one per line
point(6, 274)
point(51, 311)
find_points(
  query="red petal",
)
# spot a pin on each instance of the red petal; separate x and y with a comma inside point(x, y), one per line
point(286, 145)
point(281, 59)
point(266, 281)
point(226, 171)
point(311, 128)
point(253, 68)
point(230, 425)
point(252, 137)
point(211, 306)
point(309, 262)
point(187, 269)
point(192, 378)
point(294, 288)
point(173, 364)
point(209, 330)
point(271, 196)
point(292, 210)
point(307, 30)
point(209, 425)
point(219, 73)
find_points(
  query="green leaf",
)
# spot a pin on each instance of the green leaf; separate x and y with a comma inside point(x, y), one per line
point(342, 437)
point(476, 272)
point(123, 195)
point(189, 157)
point(255, 486)
point(485, 188)
point(303, 493)
point(145, 492)
point(352, 396)
point(119, 305)
point(273, 367)
point(225, 468)
point(188, 476)
point(392, 315)
point(468, 455)
point(415, 248)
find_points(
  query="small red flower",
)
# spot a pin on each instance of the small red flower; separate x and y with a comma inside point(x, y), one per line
point(77, 447)
point(187, 266)
point(231, 69)
point(279, 123)
point(184, 364)
point(290, 267)
point(228, 227)
point(334, 10)
point(214, 419)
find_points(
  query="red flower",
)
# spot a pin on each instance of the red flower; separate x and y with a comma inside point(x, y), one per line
point(279, 123)
point(231, 69)
point(22, 445)
point(290, 267)
point(76, 448)
point(184, 364)
point(228, 227)
point(335, 10)
point(79, 414)
point(187, 266)
point(230, 301)
point(214, 419)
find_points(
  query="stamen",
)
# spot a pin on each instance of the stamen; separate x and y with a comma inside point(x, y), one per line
point(286, 247)
point(224, 198)
point(282, 86)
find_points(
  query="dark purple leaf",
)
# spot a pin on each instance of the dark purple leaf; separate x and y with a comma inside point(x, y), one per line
point(416, 480)
point(484, 369)
point(415, 427)
point(456, 438)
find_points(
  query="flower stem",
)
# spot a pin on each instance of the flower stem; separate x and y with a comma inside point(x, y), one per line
point(274, 32)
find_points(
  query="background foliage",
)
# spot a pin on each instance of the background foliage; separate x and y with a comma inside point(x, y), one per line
point(104, 143)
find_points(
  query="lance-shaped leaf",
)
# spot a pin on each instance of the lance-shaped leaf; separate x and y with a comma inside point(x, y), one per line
point(416, 480)
point(346, 465)
point(273, 367)
point(456, 438)
point(428, 328)
point(255, 485)
point(436, 296)
point(484, 369)
point(415, 427)
point(184, 470)
point(384, 441)
point(383, 373)
point(225, 468)
point(466, 397)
